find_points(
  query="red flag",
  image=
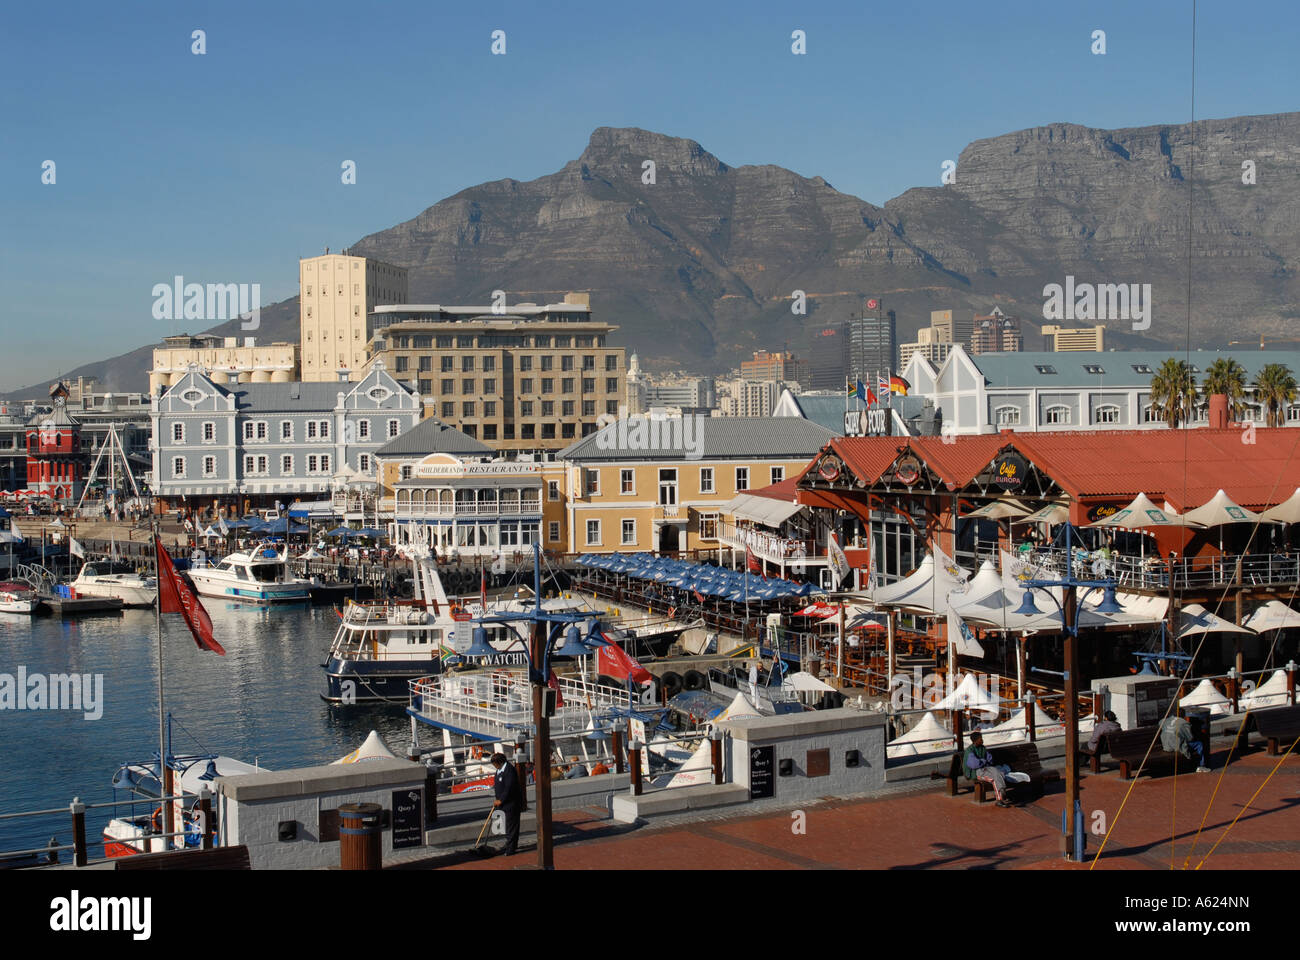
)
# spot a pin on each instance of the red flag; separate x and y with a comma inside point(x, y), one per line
point(698, 596)
point(613, 661)
point(175, 596)
point(553, 682)
point(751, 561)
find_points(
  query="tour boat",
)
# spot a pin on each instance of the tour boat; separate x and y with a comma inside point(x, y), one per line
point(105, 579)
point(381, 647)
point(18, 598)
point(260, 575)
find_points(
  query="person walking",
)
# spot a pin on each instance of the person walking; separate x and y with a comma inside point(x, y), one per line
point(509, 800)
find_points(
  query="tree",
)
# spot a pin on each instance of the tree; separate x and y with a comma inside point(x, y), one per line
point(1173, 391)
point(1274, 388)
point(1228, 377)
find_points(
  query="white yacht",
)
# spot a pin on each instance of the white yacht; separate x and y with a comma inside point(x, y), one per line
point(18, 598)
point(259, 575)
point(101, 578)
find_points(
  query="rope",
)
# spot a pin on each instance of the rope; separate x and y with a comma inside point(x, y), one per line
point(1275, 769)
point(1197, 838)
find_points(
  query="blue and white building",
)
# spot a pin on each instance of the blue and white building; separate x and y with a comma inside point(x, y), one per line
point(252, 444)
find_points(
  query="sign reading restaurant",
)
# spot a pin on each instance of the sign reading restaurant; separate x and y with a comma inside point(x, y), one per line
point(475, 469)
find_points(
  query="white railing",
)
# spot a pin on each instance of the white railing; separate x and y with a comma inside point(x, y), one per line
point(768, 546)
point(494, 509)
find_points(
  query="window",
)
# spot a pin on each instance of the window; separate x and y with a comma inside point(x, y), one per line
point(209, 466)
point(1152, 414)
point(527, 431)
point(548, 408)
point(1045, 368)
point(611, 408)
point(588, 384)
point(1292, 414)
point(567, 408)
point(248, 430)
point(526, 385)
point(178, 432)
point(286, 465)
point(325, 463)
point(489, 364)
point(778, 474)
point(448, 410)
point(566, 385)
point(1108, 414)
point(548, 431)
point(706, 480)
point(261, 430)
point(566, 362)
point(588, 362)
point(626, 481)
point(1141, 367)
point(611, 362)
point(406, 472)
point(286, 429)
point(489, 429)
point(629, 533)
point(592, 485)
point(465, 343)
point(1007, 416)
point(311, 429)
point(447, 364)
point(489, 408)
point(589, 408)
point(667, 486)
point(525, 364)
point(248, 465)
point(593, 533)
point(262, 464)
point(324, 429)
point(1058, 415)
point(444, 343)
point(742, 478)
point(490, 385)
point(611, 384)
point(466, 364)
point(313, 464)
point(178, 466)
point(1093, 368)
point(553, 532)
point(363, 463)
point(567, 430)
point(401, 364)
point(548, 363)
point(426, 364)
point(393, 429)
point(363, 429)
point(552, 490)
point(448, 386)
point(708, 526)
point(209, 432)
point(467, 408)
point(548, 385)
point(467, 386)
point(525, 408)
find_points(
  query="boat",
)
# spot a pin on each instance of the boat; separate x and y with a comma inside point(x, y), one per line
point(381, 647)
point(259, 575)
point(18, 598)
point(103, 578)
point(141, 833)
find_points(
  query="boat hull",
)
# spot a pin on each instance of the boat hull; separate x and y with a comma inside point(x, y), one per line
point(18, 606)
point(251, 592)
point(131, 596)
point(359, 681)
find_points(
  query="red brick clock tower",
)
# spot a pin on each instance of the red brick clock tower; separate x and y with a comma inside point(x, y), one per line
point(55, 465)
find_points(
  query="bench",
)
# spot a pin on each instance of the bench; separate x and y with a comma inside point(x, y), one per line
point(1129, 747)
point(1278, 725)
point(1094, 759)
point(218, 858)
point(1020, 757)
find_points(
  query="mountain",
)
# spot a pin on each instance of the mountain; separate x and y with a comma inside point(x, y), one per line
point(698, 267)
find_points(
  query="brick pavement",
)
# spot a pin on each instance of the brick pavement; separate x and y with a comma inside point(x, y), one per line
point(1165, 821)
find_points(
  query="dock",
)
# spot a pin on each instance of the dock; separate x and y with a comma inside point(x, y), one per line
point(82, 606)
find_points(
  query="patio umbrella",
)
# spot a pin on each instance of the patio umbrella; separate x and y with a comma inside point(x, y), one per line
point(1051, 514)
point(1196, 619)
point(341, 532)
point(1143, 514)
point(1288, 511)
point(998, 510)
point(372, 532)
point(1274, 615)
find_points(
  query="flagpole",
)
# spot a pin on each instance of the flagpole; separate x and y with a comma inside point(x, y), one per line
point(164, 772)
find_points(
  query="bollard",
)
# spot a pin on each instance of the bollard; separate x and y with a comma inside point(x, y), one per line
point(431, 793)
point(78, 810)
point(205, 817)
point(715, 754)
point(616, 744)
point(634, 760)
point(1030, 718)
point(1234, 687)
point(361, 836)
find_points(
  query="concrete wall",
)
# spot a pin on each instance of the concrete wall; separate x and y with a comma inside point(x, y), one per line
point(793, 736)
point(252, 807)
point(1138, 700)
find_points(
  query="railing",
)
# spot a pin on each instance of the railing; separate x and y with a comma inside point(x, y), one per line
point(1189, 573)
point(769, 546)
point(406, 509)
point(701, 773)
point(670, 511)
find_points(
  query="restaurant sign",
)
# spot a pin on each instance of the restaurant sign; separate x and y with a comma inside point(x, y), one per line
point(871, 422)
point(1101, 511)
point(1009, 471)
point(829, 469)
point(908, 470)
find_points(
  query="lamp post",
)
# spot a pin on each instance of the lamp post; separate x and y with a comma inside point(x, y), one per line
point(1073, 835)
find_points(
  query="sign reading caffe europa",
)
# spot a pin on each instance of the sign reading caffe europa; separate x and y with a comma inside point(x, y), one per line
point(1009, 471)
point(1101, 511)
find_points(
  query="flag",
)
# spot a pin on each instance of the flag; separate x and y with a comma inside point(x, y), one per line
point(839, 563)
point(75, 549)
point(882, 384)
point(554, 683)
point(174, 596)
point(499, 564)
point(699, 597)
point(860, 391)
point(960, 636)
point(613, 661)
point(114, 555)
point(751, 562)
point(899, 385)
point(221, 525)
point(871, 397)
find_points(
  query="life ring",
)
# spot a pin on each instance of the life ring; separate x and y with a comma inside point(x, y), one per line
point(476, 753)
point(156, 820)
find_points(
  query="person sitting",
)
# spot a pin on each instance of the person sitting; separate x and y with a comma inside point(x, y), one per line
point(1101, 729)
point(1176, 736)
point(978, 763)
point(599, 768)
point(575, 770)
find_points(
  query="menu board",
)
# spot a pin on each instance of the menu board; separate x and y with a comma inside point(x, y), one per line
point(762, 772)
point(408, 818)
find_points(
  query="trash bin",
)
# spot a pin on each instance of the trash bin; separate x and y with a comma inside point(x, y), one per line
point(1199, 718)
point(361, 836)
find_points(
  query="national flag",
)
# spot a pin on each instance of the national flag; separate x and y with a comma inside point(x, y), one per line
point(871, 397)
point(446, 653)
point(751, 562)
point(960, 636)
point(174, 596)
point(899, 385)
point(553, 682)
point(882, 384)
point(839, 563)
point(613, 661)
point(76, 549)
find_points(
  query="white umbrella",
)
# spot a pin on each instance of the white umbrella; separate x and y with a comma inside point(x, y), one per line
point(1143, 514)
point(998, 510)
point(1051, 514)
point(1274, 692)
point(373, 748)
point(1207, 695)
point(1194, 619)
point(1274, 615)
point(1219, 510)
point(969, 694)
point(1013, 728)
point(1288, 511)
point(928, 736)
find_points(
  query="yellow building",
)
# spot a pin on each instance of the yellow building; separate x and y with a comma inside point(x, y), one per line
point(641, 484)
point(222, 360)
point(336, 294)
point(1071, 339)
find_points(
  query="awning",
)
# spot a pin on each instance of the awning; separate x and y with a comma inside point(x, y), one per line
point(762, 510)
point(1274, 615)
point(997, 510)
point(1196, 619)
point(1288, 511)
point(1220, 510)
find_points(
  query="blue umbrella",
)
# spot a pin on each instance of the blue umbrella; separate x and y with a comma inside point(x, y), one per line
point(340, 532)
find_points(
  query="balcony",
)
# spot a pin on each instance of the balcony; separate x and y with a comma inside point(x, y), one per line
point(1152, 574)
point(769, 546)
point(504, 508)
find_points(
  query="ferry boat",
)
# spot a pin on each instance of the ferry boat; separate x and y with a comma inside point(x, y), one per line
point(18, 598)
point(120, 580)
point(381, 647)
point(260, 575)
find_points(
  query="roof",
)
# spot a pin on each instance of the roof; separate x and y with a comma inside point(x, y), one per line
point(1185, 467)
point(1020, 370)
point(827, 411)
point(432, 436)
point(696, 438)
point(291, 395)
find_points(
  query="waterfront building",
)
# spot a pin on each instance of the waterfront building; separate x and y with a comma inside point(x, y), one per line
point(527, 378)
point(1031, 391)
point(222, 360)
point(337, 293)
point(56, 463)
point(252, 444)
point(659, 484)
point(1070, 339)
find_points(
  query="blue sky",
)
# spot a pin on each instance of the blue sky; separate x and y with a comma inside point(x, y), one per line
point(226, 167)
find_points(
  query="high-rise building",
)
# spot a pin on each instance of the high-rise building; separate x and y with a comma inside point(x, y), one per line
point(750, 398)
point(1068, 340)
point(530, 379)
point(829, 369)
point(872, 346)
point(928, 344)
point(996, 333)
point(774, 366)
point(949, 326)
point(337, 294)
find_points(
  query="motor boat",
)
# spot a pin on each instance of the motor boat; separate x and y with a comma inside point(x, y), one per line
point(18, 598)
point(259, 575)
point(102, 578)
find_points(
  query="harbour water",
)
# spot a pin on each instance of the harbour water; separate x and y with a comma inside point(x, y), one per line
point(261, 702)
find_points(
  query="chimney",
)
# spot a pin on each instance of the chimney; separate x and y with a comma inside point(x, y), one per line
point(1219, 411)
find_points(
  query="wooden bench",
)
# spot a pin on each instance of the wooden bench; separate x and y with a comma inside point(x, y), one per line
point(1094, 758)
point(1279, 726)
point(1020, 757)
point(1129, 747)
point(218, 858)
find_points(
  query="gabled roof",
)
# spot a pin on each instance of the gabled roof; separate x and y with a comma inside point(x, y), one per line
point(706, 438)
point(827, 411)
point(431, 435)
point(1010, 370)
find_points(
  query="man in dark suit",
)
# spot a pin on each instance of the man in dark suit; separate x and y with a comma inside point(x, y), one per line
point(509, 799)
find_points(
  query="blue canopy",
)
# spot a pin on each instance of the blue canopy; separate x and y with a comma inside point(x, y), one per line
point(370, 532)
point(341, 532)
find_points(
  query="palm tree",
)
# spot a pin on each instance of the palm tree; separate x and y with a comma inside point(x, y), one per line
point(1173, 391)
point(1274, 388)
point(1228, 377)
